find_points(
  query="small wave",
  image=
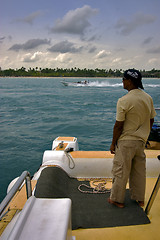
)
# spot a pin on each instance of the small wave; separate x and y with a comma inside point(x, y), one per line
point(152, 85)
point(108, 84)
point(104, 84)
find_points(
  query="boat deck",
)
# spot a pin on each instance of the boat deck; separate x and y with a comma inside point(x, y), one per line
point(89, 158)
point(143, 232)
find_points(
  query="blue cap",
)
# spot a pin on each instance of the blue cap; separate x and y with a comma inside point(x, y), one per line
point(135, 76)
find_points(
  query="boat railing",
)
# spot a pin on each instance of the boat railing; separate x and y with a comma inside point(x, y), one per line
point(25, 176)
point(153, 194)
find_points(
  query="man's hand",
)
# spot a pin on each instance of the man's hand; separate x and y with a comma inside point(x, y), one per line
point(112, 148)
point(117, 131)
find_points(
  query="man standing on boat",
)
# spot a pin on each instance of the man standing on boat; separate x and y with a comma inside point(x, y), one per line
point(134, 120)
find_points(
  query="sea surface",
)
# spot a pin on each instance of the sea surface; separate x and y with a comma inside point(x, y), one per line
point(34, 111)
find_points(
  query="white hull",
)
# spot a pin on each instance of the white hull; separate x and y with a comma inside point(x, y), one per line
point(75, 84)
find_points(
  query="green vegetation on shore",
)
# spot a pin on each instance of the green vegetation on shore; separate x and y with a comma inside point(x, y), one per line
point(73, 72)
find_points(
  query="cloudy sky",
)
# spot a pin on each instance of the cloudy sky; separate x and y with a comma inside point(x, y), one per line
point(80, 33)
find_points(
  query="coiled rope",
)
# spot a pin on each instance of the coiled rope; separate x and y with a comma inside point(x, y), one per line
point(70, 161)
point(97, 188)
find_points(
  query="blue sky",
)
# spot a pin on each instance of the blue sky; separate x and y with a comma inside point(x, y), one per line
point(116, 34)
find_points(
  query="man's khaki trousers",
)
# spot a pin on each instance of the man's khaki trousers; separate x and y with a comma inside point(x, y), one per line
point(129, 163)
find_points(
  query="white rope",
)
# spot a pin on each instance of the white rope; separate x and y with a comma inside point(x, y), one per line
point(98, 188)
point(70, 160)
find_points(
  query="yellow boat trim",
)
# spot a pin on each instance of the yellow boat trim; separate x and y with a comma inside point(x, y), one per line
point(71, 139)
point(152, 153)
point(16, 204)
point(107, 154)
point(6, 220)
point(20, 198)
point(91, 154)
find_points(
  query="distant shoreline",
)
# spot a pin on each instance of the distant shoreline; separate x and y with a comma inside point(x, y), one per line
point(73, 72)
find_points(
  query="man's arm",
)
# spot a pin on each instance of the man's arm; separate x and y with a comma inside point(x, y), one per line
point(151, 122)
point(117, 131)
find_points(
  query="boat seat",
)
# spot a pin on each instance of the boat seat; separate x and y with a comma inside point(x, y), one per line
point(81, 164)
point(44, 219)
point(93, 164)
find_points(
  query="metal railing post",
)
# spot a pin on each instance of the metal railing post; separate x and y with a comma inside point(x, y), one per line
point(28, 186)
point(15, 188)
point(153, 195)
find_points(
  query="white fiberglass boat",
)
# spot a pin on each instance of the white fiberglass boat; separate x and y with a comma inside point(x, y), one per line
point(77, 84)
point(67, 199)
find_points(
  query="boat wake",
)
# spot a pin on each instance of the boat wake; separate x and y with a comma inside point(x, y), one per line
point(92, 84)
point(152, 85)
point(102, 84)
point(109, 84)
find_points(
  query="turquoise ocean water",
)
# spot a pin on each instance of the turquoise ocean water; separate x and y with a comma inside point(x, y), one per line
point(34, 111)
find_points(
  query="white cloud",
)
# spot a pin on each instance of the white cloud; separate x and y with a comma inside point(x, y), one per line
point(102, 54)
point(147, 40)
point(63, 58)
point(32, 57)
point(125, 27)
point(2, 39)
point(155, 50)
point(75, 21)
point(116, 60)
point(64, 47)
point(30, 18)
point(30, 44)
point(92, 49)
point(4, 61)
point(152, 60)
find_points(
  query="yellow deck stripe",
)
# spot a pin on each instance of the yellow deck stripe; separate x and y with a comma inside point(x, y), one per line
point(71, 139)
point(15, 205)
point(20, 198)
point(91, 154)
point(152, 153)
point(107, 154)
point(6, 219)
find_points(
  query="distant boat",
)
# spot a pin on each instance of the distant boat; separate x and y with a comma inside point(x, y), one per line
point(79, 83)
